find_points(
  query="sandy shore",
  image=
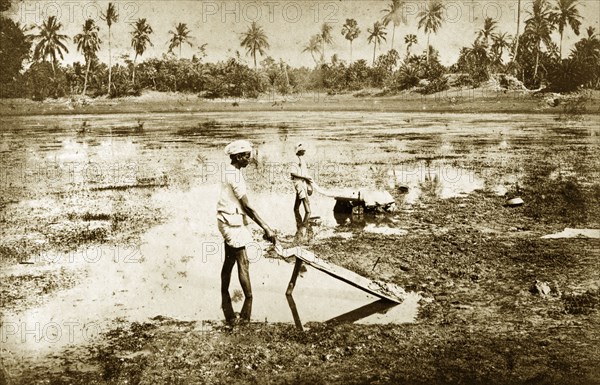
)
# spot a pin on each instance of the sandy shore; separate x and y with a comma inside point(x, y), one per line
point(451, 101)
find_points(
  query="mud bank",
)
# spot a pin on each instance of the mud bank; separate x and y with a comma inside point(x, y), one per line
point(140, 305)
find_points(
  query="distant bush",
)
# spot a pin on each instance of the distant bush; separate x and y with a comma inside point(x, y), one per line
point(14, 48)
point(122, 84)
point(357, 75)
point(464, 80)
point(405, 78)
point(233, 79)
point(42, 82)
point(436, 85)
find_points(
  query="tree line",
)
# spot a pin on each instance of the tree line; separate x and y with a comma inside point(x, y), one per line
point(533, 57)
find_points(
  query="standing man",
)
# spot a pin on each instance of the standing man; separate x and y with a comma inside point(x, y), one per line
point(233, 209)
point(302, 184)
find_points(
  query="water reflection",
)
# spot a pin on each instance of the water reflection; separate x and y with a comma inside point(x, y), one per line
point(381, 306)
point(435, 179)
point(358, 220)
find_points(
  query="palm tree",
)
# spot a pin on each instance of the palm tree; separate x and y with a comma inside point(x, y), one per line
point(410, 40)
point(254, 40)
point(283, 66)
point(477, 55)
point(539, 28)
point(326, 38)
point(489, 26)
point(140, 40)
point(395, 15)
point(376, 35)
point(500, 42)
point(565, 13)
point(314, 47)
point(50, 42)
point(431, 20)
point(111, 16)
point(588, 48)
point(180, 35)
point(586, 55)
point(350, 31)
point(88, 43)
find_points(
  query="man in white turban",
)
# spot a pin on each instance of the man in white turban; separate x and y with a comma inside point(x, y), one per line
point(233, 209)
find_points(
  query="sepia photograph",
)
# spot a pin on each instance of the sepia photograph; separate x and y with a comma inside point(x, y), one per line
point(299, 192)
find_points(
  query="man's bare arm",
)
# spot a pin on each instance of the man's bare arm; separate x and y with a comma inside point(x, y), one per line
point(252, 213)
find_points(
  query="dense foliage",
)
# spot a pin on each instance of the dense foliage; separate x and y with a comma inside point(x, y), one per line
point(30, 59)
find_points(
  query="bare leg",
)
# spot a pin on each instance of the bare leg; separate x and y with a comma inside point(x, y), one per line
point(225, 280)
point(298, 216)
point(306, 208)
point(244, 277)
point(297, 204)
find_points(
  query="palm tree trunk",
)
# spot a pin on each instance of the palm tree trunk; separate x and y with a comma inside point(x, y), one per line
point(393, 35)
point(350, 51)
point(374, 48)
point(133, 77)
point(287, 78)
point(560, 49)
point(87, 72)
point(109, 63)
point(537, 62)
point(518, 30)
point(254, 57)
point(53, 69)
point(428, 37)
point(179, 51)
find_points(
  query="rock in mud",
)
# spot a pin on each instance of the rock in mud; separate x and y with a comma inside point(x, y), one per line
point(514, 202)
point(541, 288)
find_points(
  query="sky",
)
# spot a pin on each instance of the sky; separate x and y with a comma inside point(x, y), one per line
point(288, 25)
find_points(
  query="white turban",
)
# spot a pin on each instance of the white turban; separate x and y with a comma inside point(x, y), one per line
point(238, 147)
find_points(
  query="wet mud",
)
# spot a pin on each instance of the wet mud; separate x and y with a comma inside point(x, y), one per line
point(111, 255)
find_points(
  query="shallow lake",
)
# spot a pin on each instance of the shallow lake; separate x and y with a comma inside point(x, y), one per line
point(174, 271)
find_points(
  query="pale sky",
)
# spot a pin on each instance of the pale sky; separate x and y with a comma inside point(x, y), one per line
point(288, 25)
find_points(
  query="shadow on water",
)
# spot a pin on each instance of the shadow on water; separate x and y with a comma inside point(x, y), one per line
point(381, 306)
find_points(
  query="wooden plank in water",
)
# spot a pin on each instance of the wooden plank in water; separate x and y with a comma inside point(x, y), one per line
point(382, 290)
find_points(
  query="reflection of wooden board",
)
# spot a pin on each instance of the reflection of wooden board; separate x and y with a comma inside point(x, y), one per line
point(383, 290)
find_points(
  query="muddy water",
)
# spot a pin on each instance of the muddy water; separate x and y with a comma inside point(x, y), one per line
point(174, 271)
